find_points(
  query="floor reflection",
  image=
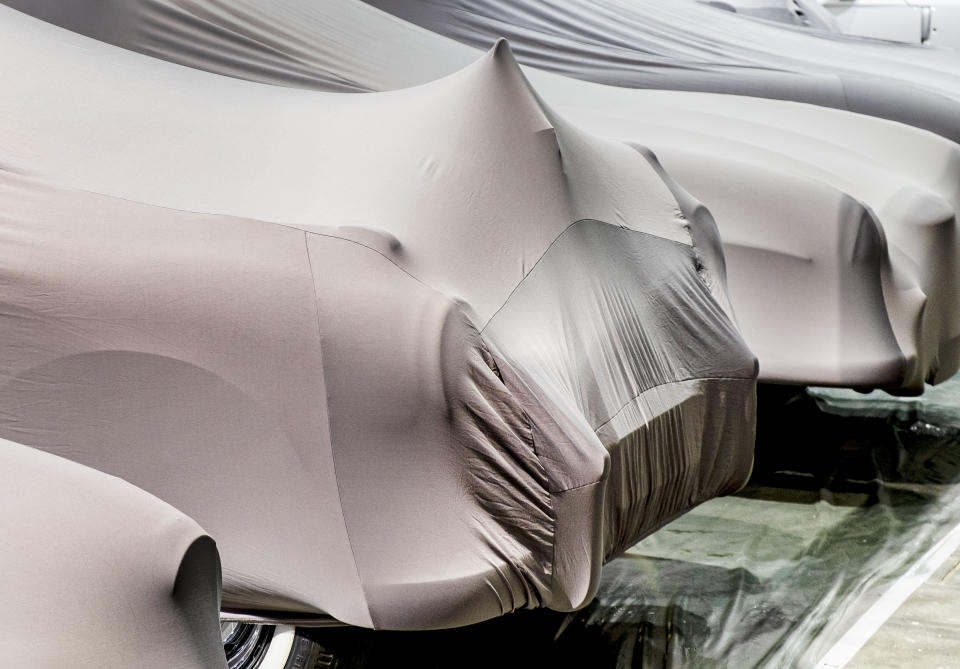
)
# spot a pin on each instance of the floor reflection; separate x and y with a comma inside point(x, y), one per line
point(768, 577)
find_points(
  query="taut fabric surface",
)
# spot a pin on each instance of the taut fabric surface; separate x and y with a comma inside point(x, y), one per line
point(690, 46)
point(100, 574)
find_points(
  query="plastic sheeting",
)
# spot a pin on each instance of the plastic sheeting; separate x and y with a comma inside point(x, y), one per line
point(936, 411)
point(100, 574)
point(851, 217)
point(437, 366)
point(838, 509)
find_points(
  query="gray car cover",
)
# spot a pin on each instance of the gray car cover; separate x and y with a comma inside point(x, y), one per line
point(682, 45)
point(839, 228)
point(98, 574)
point(437, 367)
point(665, 44)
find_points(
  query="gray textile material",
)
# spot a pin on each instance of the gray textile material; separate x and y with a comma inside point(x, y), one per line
point(689, 46)
point(100, 574)
point(792, 186)
point(802, 228)
point(665, 44)
point(331, 368)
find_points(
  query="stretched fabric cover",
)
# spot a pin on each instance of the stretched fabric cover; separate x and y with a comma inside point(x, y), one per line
point(665, 44)
point(438, 367)
point(683, 45)
point(815, 304)
point(829, 208)
point(98, 573)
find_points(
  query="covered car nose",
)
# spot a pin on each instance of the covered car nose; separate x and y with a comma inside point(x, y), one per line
point(99, 573)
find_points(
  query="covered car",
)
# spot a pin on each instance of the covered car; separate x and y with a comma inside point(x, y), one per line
point(839, 228)
point(662, 44)
point(414, 359)
point(691, 46)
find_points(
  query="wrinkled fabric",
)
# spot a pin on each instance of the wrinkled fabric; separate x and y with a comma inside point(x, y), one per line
point(690, 46)
point(651, 44)
point(852, 217)
point(100, 574)
point(291, 316)
point(838, 511)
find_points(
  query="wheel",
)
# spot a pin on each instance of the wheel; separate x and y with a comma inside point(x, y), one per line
point(256, 646)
